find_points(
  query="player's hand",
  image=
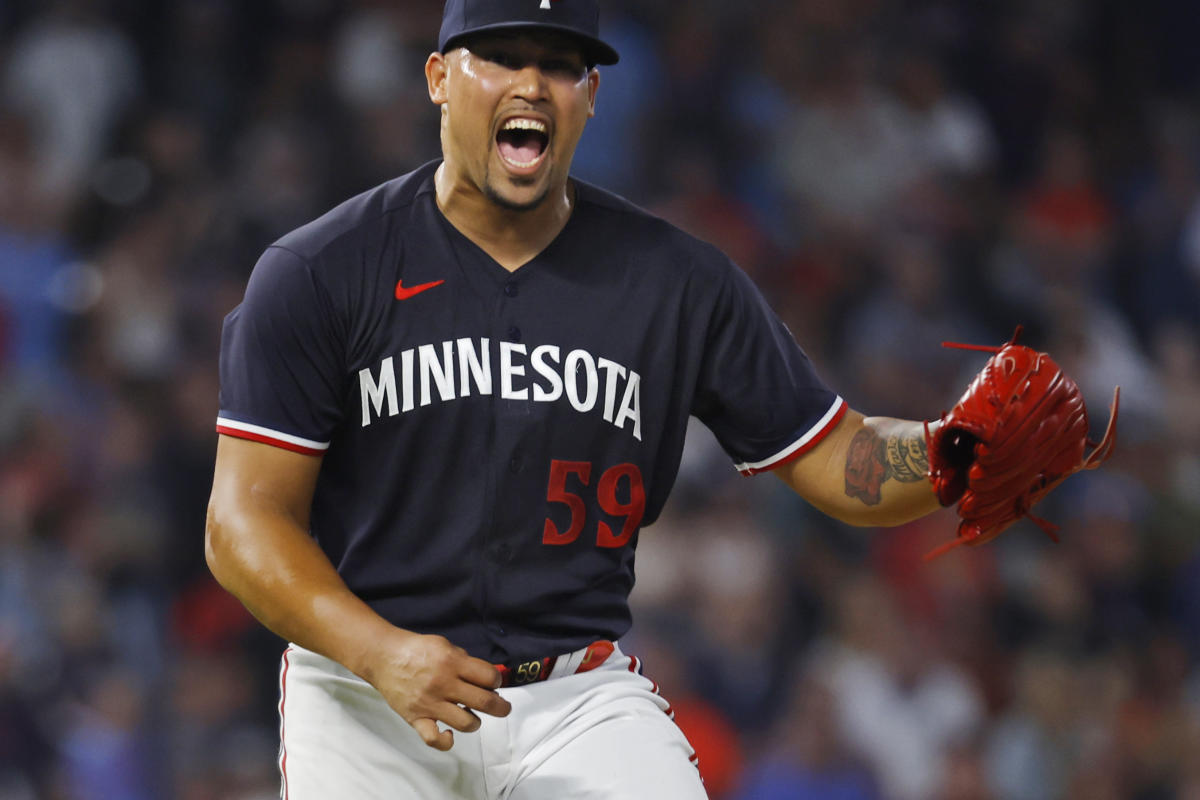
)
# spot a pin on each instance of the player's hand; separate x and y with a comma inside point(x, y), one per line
point(1020, 430)
point(428, 680)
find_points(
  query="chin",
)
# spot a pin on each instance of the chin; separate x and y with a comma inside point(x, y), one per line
point(519, 198)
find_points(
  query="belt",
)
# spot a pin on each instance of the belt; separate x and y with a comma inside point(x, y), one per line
point(543, 669)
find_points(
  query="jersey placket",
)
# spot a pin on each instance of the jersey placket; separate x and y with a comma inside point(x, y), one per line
point(495, 549)
point(508, 414)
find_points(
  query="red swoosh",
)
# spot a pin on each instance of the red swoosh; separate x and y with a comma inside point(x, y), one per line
point(405, 292)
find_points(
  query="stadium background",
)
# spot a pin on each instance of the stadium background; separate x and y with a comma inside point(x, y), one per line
point(893, 173)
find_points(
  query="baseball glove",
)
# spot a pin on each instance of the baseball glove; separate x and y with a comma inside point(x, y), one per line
point(1018, 431)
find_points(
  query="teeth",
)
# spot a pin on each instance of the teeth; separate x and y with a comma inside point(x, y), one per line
point(521, 163)
point(525, 124)
point(522, 124)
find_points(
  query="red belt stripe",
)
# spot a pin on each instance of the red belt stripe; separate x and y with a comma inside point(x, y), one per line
point(539, 669)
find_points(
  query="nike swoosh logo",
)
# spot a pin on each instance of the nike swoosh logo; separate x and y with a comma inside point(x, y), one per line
point(405, 292)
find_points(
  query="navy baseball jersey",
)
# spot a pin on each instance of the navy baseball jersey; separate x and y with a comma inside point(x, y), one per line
point(492, 441)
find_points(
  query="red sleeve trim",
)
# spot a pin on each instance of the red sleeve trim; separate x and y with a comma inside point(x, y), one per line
point(807, 442)
point(271, 440)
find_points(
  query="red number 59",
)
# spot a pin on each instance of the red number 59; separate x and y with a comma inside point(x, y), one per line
point(607, 489)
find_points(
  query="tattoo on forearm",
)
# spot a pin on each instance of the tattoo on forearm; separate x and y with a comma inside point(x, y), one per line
point(907, 458)
point(872, 460)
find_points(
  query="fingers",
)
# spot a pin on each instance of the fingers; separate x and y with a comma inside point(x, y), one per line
point(482, 700)
point(457, 717)
point(479, 680)
point(431, 682)
point(450, 714)
point(432, 735)
point(479, 672)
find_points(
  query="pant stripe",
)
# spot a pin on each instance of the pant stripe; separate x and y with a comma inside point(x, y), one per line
point(635, 666)
point(283, 671)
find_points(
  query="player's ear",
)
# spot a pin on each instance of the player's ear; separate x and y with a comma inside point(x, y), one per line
point(436, 71)
point(593, 79)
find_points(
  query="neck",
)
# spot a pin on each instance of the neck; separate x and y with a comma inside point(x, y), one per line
point(511, 237)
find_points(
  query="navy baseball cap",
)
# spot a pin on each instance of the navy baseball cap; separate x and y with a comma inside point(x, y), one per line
point(577, 18)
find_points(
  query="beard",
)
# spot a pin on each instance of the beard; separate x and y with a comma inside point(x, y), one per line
point(492, 193)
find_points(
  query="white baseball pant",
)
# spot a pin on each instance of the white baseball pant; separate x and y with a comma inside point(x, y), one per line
point(603, 734)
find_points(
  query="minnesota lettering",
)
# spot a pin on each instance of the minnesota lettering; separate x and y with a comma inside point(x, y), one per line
point(437, 373)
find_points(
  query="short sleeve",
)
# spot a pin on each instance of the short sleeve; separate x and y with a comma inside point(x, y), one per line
point(281, 365)
point(758, 392)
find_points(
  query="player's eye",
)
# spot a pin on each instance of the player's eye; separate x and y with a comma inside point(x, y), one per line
point(562, 68)
point(558, 67)
point(500, 58)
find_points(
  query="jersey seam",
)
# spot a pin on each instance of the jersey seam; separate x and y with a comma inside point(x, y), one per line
point(314, 275)
point(330, 310)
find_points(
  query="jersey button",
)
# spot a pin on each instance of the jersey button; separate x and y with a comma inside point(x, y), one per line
point(502, 553)
point(514, 334)
point(510, 289)
point(515, 464)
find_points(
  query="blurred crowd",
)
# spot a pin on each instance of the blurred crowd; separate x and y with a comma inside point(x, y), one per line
point(893, 174)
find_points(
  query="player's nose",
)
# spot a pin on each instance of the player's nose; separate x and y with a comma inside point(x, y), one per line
point(530, 83)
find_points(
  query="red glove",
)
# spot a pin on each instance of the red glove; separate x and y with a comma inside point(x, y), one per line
point(1018, 431)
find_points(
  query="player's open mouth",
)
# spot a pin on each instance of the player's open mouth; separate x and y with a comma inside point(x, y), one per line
point(522, 142)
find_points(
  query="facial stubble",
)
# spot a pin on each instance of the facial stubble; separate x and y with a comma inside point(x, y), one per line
point(490, 191)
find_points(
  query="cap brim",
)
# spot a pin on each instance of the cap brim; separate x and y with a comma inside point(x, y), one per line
point(594, 50)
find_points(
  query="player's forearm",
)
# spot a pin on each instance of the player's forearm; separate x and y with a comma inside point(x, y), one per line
point(871, 471)
point(284, 579)
point(885, 474)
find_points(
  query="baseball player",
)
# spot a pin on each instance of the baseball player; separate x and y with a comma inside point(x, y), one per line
point(447, 408)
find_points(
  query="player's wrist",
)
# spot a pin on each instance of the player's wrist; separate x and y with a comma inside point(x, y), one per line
point(364, 656)
point(348, 631)
point(379, 649)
